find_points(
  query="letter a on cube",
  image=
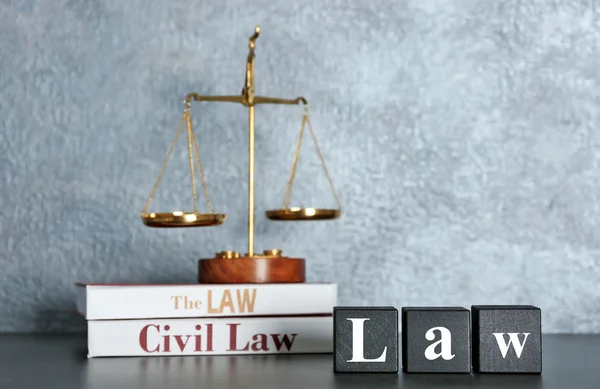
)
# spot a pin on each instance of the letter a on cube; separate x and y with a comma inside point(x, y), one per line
point(366, 339)
point(507, 339)
point(436, 340)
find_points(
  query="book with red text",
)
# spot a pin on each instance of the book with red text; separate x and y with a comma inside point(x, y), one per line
point(107, 302)
point(210, 336)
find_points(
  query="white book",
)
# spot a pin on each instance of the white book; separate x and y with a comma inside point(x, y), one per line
point(210, 336)
point(107, 302)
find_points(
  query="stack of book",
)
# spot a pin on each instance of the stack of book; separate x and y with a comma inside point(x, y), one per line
point(197, 319)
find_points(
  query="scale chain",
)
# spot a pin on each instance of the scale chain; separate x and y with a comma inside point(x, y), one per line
point(191, 143)
point(288, 192)
point(323, 163)
point(164, 165)
point(210, 208)
point(191, 158)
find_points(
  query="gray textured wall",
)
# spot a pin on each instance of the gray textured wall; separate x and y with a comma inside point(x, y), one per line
point(462, 136)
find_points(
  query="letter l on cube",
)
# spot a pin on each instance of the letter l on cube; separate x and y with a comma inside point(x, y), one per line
point(365, 339)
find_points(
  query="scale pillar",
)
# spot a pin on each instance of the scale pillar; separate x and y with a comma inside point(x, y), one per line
point(251, 182)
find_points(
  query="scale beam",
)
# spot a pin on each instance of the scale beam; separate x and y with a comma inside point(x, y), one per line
point(244, 100)
point(276, 100)
point(225, 99)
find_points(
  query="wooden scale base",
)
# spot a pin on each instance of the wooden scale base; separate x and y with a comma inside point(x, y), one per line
point(229, 267)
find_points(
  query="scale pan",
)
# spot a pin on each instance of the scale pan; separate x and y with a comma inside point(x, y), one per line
point(297, 213)
point(182, 219)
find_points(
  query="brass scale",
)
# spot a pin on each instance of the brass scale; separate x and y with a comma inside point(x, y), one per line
point(228, 266)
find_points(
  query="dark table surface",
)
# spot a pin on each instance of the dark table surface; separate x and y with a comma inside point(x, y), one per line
point(59, 361)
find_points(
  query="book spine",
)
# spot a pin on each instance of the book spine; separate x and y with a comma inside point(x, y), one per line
point(107, 303)
point(219, 336)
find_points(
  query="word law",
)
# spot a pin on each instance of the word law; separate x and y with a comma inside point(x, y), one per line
point(484, 339)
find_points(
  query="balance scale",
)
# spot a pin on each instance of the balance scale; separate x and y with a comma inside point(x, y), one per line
point(228, 266)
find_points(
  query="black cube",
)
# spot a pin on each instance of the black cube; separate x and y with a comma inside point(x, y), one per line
point(436, 340)
point(365, 339)
point(507, 339)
